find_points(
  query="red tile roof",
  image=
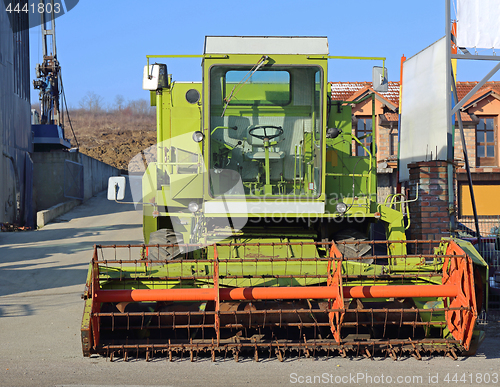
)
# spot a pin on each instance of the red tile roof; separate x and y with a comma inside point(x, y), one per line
point(391, 116)
point(465, 117)
point(479, 95)
point(464, 87)
point(345, 91)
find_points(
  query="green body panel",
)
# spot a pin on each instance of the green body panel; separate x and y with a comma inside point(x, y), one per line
point(85, 329)
point(302, 167)
point(471, 251)
point(185, 186)
point(149, 182)
point(185, 117)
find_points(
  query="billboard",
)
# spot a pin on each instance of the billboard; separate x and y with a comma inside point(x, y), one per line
point(424, 108)
point(477, 24)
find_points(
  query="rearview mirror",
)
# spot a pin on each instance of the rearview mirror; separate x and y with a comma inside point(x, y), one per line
point(116, 188)
point(380, 79)
point(155, 77)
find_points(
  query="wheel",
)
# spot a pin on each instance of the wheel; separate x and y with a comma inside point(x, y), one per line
point(352, 250)
point(279, 132)
point(165, 237)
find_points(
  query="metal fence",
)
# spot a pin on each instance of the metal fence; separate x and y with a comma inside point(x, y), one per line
point(488, 247)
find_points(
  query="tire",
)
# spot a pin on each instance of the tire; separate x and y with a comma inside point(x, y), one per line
point(165, 237)
point(352, 250)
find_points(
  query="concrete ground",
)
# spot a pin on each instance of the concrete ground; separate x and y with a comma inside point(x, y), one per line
point(42, 274)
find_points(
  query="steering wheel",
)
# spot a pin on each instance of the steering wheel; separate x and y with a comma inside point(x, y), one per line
point(279, 132)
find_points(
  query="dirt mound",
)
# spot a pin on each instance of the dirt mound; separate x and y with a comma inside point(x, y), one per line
point(118, 148)
point(112, 137)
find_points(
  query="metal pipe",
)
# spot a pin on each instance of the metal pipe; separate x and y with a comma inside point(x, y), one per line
point(412, 241)
point(400, 291)
point(353, 57)
point(467, 166)
point(374, 131)
point(159, 119)
point(295, 172)
point(274, 293)
point(144, 295)
point(450, 128)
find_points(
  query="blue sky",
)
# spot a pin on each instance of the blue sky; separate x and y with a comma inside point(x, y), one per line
point(102, 45)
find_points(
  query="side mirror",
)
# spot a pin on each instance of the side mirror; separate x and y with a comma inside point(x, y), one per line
point(380, 79)
point(116, 188)
point(155, 77)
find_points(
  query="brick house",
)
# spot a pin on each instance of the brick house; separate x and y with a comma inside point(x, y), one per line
point(386, 113)
point(480, 118)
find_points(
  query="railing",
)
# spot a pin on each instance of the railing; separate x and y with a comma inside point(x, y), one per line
point(488, 245)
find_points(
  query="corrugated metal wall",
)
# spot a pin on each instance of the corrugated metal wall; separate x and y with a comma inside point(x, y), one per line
point(15, 127)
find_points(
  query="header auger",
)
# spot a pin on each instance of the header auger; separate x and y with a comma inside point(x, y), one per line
point(258, 217)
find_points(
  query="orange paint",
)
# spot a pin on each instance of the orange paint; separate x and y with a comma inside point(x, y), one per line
point(276, 293)
point(400, 291)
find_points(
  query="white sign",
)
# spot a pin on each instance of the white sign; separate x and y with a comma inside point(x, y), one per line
point(424, 107)
point(478, 23)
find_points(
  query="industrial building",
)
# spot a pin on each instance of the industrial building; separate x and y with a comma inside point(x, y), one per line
point(16, 166)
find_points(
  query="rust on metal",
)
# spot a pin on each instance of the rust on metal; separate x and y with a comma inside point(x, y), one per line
point(337, 313)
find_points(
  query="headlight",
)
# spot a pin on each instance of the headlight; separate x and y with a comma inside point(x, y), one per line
point(333, 132)
point(193, 207)
point(198, 136)
point(341, 208)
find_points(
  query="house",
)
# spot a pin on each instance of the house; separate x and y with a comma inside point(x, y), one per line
point(480, 120)
point(386, 117)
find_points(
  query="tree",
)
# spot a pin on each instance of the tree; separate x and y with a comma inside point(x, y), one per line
point(119, 102)
point(91, 102)
point(140, 107)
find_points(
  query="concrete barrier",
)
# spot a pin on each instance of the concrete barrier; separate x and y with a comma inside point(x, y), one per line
point(61, 179)
point(45, 216)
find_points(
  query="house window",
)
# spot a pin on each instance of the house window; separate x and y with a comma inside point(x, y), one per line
point(363, 132)
point(486, 153)
point(393, 144)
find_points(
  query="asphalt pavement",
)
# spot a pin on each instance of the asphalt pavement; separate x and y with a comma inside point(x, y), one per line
point(42, 275)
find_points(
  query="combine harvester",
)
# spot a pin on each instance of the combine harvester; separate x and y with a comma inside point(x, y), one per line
point(258, 221)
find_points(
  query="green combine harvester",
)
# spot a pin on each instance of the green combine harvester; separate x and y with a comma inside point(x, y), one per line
point(259, 226)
